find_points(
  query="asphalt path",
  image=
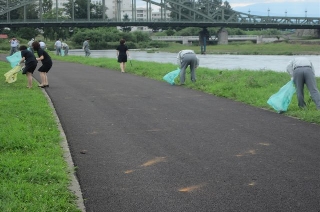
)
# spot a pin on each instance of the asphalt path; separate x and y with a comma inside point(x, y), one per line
point(144, 145)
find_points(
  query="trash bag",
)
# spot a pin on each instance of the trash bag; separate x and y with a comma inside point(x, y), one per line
point(11, 76)
point(14, 59)
point(62, 52)
point(280, 101)
point(169, 77)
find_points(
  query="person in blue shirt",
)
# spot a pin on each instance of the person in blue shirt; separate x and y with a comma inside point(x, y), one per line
point(30, 63)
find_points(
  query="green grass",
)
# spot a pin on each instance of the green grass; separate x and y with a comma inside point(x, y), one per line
point(34, 176)
point(248, 48)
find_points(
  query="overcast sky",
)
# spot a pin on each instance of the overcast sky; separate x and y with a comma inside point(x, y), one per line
point(311, 8)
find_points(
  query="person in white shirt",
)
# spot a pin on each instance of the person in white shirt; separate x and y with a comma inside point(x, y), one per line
point(187, 58)
point(65, 47)
point(30, 45)
point(302, 71)
point(57, 46)
point(14, 44)
point(42, 45)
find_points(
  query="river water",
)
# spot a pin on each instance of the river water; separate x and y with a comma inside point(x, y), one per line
point(227, 62)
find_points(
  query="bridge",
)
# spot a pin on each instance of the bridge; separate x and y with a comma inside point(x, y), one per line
point(184, 13)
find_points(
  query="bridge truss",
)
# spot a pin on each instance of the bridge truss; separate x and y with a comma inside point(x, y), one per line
point(184, 13)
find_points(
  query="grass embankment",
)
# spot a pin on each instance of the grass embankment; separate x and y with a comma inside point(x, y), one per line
point(248, 48)
point(34, 175)
point(250, 87)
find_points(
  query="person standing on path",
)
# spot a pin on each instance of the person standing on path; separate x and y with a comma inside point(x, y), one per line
point(86, 47)
point(30, 63)
point(57, 46)
point(187, 58)
point(44, 57)
point(302, 71)
point(122, 54)
point(14, 43)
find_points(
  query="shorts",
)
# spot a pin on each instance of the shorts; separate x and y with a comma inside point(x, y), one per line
point(122, 58)
point(29, 68)
point(45, 67)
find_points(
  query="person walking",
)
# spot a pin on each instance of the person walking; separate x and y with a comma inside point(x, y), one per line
point(44, 57)
point(14, 43)
point(57, 46)
point(302, 71)
point(30, 63)
point(122, 54)
point(86, 47)
point(187, 58)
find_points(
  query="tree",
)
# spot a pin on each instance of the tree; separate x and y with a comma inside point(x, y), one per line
point(80, 9)
point(126, 19)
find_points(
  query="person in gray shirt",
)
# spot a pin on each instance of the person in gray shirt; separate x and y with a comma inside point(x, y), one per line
point(86, 47)
point(187, 58)
point(303, 73)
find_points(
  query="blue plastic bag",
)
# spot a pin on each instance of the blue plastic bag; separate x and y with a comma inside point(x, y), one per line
point(62, 52)
point(14, 59)
point(280, 101)
point(169, 77)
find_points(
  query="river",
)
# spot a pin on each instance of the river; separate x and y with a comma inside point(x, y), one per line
point(276, 63)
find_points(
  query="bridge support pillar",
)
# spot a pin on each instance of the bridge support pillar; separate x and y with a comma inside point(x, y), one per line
point(259, 39)
point(185, 40)
point(222, 36)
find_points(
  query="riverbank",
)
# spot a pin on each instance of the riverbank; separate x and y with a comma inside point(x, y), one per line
point(293, 47)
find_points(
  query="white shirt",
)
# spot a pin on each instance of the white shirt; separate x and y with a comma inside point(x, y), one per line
point(298, 61)
point(182, 53)
point(58, 43)
point(42, 44)
point(14, 43)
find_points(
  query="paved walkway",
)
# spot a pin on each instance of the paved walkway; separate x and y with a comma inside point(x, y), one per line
point(143, 145)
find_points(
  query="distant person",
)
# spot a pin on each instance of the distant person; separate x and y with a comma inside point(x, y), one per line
point(65, 47)
point(30, 45)
point(42, 45)
point(122, 54)
point(203, 38)
point(302, 71)
point(86, 47)
point(57, 46)
point(44, 57)
point(30, 63)
point(14, 44)
point(187, 58)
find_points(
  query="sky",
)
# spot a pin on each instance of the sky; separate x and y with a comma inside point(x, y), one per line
point(291, 8)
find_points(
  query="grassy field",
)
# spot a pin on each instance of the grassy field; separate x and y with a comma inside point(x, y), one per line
point(34, 175)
